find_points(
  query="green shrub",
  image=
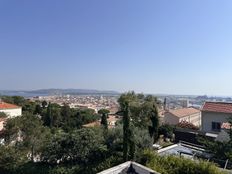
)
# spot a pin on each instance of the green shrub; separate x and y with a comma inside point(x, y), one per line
point(177, 165)
point(61, 170)
point(166, 130)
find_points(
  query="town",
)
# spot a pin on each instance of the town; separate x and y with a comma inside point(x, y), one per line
point(115, 87)
point(181, 128)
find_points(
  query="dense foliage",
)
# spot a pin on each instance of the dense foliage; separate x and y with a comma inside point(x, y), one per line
point(104, 113)
point(166, 130)
point(177, 165)
point(138, 111)
point(3, 115)
point(49, 138)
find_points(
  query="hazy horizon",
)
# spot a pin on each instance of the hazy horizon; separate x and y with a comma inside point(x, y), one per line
point(120, 92)
point(158, 47)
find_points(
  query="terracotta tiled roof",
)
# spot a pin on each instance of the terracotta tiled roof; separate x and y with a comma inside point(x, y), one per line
point(217, 107)
point(184, 112)
point(4, 105)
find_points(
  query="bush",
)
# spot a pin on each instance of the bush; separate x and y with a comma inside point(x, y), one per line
point(166, 130)
point(187, 125)
point(176, 165)
point(3, 115)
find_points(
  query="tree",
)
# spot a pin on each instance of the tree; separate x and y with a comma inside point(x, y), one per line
point(56, 115)
point(66, 116)
point(12, 129)
point(80, 117)
point(29, 107)
point(11, 158)
point(230, 130)
point(138, 111)
point(172, 164)
point(27, 132)
point(33, 134)
point(220, 150)
point(150, 98)
point(104, 113)
point(104, 121)
point(82, 146)
point(38, 109)
point(128, 144)
point(44, 104)
point(166, 130)
point(165, 103)
point(17, 100)
point(47, 118)
point(3, 115)
point(153, 129)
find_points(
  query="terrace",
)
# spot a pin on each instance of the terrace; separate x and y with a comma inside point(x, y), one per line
point(194, 152)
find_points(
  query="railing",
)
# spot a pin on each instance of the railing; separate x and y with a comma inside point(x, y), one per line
point(191, 145)
point(223, 164)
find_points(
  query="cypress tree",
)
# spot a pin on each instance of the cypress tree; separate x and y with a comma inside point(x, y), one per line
point(153, 129)
point(104, 120)
point(126, 131)
point(48, 116)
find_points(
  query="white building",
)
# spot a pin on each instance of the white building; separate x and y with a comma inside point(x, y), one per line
point(190, 115)
point(10, 110)
point(215, 115)
point(2, 121)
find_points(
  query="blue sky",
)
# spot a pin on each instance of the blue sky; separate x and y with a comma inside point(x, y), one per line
point(151, 46)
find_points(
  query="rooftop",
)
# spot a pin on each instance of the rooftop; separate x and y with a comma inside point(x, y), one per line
point(221, 107)
point(129, 168)
point(4, 105)
point(184, 112)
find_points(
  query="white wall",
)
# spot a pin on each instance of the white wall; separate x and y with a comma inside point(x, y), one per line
point(173, 120)
point(209, 117)
point(1, 125)
point(170, 119)
point(12, 112)
point(195, 119)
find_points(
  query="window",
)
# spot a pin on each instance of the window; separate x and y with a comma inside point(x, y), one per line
point(216, 126)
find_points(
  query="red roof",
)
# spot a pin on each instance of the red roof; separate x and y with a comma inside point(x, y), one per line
point(217, 107)
point(183, 112)
point(4, 105)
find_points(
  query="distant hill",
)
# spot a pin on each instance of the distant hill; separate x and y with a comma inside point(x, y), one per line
point(44, 92)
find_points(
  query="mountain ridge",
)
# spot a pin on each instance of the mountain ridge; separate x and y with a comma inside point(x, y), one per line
point(57, 91)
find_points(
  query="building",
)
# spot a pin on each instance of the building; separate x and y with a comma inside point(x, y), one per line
point(10, 110)
point(2, 121)
point(190, 115)
point(161, 116)
point(184, 103)
point(215, 116)
point(129, 168)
